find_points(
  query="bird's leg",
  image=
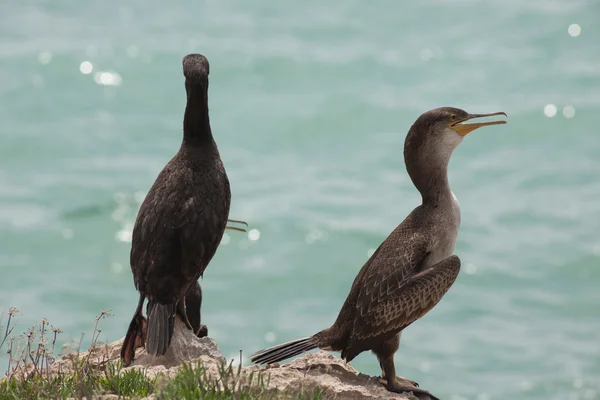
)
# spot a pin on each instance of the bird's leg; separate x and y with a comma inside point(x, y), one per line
point(193, 303)
point(387, 347)
point(397, 384)
point(385, 354)
point(201, 330)
point(408, 380)
point(181, 307)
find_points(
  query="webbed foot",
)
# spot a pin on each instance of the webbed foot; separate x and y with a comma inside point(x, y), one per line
point(202, 331)
point(383, 381)
point(402, 385)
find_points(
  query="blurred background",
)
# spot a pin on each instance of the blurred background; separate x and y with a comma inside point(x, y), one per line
point(310, 104)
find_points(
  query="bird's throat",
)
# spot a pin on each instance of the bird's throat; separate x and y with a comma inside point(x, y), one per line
point(196, 122)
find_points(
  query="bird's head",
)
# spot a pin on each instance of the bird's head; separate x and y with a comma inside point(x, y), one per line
point(447, 126)
point(434, 136)
point(195, 70)
point(439, 131)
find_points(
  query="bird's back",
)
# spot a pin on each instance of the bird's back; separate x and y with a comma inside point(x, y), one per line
point(180, 223)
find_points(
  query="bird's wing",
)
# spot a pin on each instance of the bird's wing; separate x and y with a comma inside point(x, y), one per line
point(399, 257)
point(391, 301)
point(157, 238)
point(154, 223)
point(202, 220)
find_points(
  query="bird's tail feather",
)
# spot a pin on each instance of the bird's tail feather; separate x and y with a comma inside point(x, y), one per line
point(136, 335)
point(161, 321)
point(283, 351)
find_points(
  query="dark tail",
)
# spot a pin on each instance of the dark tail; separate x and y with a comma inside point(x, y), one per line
point(161, 321)
point(283, 351)
point(136, 334)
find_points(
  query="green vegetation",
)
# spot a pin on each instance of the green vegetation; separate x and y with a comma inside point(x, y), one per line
point(30, 374)
point(131, 383)
point(193, 382)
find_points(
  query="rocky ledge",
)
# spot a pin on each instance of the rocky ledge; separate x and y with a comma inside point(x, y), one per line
point(323, 370)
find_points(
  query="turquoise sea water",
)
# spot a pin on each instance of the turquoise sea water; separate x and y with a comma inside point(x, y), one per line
point(310, 103)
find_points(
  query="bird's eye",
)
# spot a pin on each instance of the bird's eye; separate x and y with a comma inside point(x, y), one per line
point(453, 116)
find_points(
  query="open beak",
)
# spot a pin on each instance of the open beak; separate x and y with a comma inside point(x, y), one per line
point(462, 129)
point(235, 228)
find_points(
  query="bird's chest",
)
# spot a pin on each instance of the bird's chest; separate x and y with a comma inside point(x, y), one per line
point(446, 232)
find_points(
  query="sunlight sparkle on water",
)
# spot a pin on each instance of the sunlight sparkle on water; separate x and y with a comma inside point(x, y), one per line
point(124, 235)
point(86, 67)
point(316, 235)
point(270, 337)
point(45, 57)
point(108, 78)
point(568, 111)
point(550, 110)
point(254, 235)
point(471, 269)
point(574, 30)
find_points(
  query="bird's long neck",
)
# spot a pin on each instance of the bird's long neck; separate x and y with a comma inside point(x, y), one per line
point(430, 177)
point(196, 123)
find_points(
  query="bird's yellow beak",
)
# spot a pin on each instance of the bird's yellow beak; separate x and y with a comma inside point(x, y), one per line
point(462, 129)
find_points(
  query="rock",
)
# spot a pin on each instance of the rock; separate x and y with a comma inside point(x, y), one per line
point(330, 373)
point(185, 346)
point(323, 370)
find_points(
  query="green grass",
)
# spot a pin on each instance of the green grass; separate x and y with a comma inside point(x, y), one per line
point(193, 382)
point(131, 383)
point(31, 356)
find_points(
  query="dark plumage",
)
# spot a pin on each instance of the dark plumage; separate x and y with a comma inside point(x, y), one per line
point(179, 225)
point(193, 303)
point(411, 270)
